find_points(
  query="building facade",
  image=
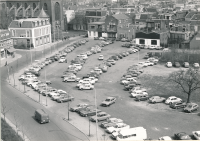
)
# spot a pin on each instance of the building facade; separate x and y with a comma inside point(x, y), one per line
point(22, 9)
point(6, 44)
point(30, 33)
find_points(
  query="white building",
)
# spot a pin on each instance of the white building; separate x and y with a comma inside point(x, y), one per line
point(34, 32)
point(70, 14)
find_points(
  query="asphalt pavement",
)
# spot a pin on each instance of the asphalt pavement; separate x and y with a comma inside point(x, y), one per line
point(22, 108)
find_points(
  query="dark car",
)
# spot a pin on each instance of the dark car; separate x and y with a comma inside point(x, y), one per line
point(177, 64)
point(96, 38)
point(182, 136)
point(115, 57)
point(177, 105)
point(65, 99)
point(141, 97)
point(146, 56)
point(89, 112)
point(119, 56)
point(129, 86)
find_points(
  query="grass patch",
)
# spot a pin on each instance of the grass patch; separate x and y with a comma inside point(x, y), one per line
point(7, 133)
point(159, 85)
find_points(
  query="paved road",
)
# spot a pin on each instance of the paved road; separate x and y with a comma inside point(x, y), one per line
point(158, 122)
point(22, 110)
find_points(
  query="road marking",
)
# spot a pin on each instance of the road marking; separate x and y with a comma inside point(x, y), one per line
point(166, 128)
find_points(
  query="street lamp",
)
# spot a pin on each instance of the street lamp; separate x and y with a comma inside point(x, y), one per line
point(96, 112)
point(13, 75)
point(8, 74)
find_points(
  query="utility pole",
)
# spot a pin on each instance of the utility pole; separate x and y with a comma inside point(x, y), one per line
point(30, 51)
point(96, 112)
point(68, 106)
point(89, 124)
point(13, 75)
point(8, 74)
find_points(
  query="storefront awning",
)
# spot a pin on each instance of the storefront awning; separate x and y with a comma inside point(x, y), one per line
point(11, 50)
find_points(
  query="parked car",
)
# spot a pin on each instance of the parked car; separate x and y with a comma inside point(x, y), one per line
point(100, 57)
point(190, 107)
point(169, 64)
point(71, 79)
point(138, 93)
point(166, 138)
point(86, 87)
point(111, 122)
point(177, 105)
point(172, 99)
point(186, 65)
point(196, 65)
point(182, 136)
point(79, 106)
point(58, 96)
point(108, 101)
point(62, 60)
point(100, 116)
point(65, 99)
point(117, 127)
point(113, 62)
point(177, 64)
point(141, 97)
point(89, 112)
point(196, 134)
point(156, 99)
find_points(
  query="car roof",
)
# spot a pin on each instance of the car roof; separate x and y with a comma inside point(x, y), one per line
point(110, 97)
point(102, 113)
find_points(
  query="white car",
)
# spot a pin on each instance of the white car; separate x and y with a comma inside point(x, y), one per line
point(149, 63)
point(166, 138)
point(172, 99)
point(82, 83)
point(71, 79)
point(53, 94)
point(166, 49)
point(86, 87)
point(117, 127)
point(87, 80)
point(196, 134)
point(196, 65)
point(128, 80)
point(115, 120)
point(138, 93)
point(61, 91)
point(101, 38)
point(169, 64)
point(62, 60)
point(79, 66)
point(93, 79)
point(143, 64)
point(101, 57)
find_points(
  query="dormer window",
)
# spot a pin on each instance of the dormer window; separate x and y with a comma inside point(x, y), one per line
point(36, 24)
point(20, 24)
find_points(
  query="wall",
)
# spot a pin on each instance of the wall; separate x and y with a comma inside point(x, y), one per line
point(194, 43)
point(92, 34)
point(147, 41)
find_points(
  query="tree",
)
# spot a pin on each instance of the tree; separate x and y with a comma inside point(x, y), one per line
point(4, 109)
point(188, 81)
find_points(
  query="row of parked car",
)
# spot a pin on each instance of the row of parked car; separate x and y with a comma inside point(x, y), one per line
point(178, 65)
point(31, 74)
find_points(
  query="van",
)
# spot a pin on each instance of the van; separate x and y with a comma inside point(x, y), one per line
point(137, 133)
point(41, 116)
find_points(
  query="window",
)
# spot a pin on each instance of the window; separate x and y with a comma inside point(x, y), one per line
point(47, 31)
point(13, 33)
point(48, 39)
point(45, 7)
point(45, 39)
point(142, 41)
point(120, 21)
point(92, 27)
point(153, 42)
point(27, 33)
point(36, 42)
point(34, 6)
point(10, 5)
point(25, 5)
point(3, 6)
point(40, 40)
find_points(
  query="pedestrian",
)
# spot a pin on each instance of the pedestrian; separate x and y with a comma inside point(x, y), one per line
point(6, 63)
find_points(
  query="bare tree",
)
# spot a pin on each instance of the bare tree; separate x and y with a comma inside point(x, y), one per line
point(188, 81)
point(4, 109)
point(17, 123)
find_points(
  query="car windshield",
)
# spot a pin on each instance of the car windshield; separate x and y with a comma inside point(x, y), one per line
point(189, 106)
point(107, 100)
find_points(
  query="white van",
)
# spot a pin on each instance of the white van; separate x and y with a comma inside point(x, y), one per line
point(137, 133)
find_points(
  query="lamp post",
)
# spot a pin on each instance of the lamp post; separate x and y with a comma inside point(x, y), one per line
point(13, 75)
point(96, 112)
point(8, 74)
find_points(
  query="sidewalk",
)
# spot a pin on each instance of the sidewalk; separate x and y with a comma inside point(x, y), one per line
point(17, 130)
point(10, 59)
point(82, 124)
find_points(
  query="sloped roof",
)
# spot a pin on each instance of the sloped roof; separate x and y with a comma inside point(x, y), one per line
point(79, 19)
point(102, 19)
point(190, 14)
point(43, 14)
point(120, 16)
point(151, 9)
point(196, 17)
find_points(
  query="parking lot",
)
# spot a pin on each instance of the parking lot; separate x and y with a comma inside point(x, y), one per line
point(158, 119)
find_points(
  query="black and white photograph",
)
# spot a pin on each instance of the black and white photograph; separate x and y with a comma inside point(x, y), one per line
point(100, 70)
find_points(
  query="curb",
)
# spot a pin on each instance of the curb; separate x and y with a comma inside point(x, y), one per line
point(76, 127)
point(23, 136)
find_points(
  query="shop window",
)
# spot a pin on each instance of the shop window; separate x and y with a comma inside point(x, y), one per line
point(153, 42)
point(142, 41)
point(48, 39)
